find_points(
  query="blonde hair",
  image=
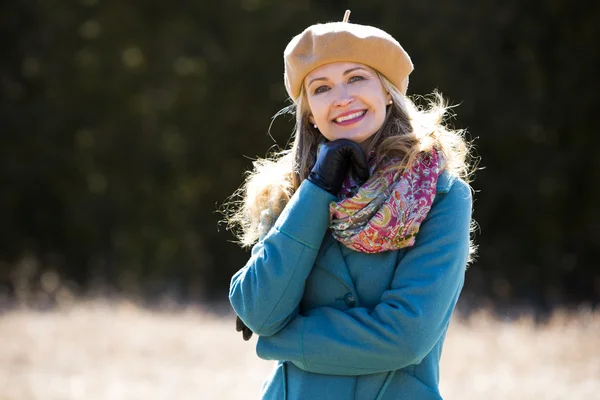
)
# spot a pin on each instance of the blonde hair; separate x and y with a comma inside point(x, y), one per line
point(406, 131)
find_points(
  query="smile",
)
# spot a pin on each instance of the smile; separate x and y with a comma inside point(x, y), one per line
point(350, 118)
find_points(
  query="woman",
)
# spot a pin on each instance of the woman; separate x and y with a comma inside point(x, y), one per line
point(362, 227)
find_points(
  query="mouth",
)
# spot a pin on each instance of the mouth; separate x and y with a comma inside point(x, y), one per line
point(350, 118)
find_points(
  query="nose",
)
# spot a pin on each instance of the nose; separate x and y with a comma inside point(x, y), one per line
point(343, 98)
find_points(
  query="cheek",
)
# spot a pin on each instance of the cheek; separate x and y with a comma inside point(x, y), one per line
point(318, 110)
point(376, 95)
point(380, 109)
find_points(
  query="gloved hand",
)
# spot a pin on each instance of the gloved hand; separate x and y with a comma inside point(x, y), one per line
point(241, 327)
point(334, 160)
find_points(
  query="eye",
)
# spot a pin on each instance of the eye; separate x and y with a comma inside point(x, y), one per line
point(356, 78)
point(321, 89)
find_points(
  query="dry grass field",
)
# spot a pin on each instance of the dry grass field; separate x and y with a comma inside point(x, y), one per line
point(100, 351)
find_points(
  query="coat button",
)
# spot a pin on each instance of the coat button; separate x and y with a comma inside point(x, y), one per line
point(350, 300)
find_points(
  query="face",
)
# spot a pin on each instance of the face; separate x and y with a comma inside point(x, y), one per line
point(346, 100)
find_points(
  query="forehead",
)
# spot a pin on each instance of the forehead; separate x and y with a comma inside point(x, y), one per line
point(335, 69)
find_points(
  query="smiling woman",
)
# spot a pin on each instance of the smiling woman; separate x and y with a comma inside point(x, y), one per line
point(360, 231)
point(347, 101)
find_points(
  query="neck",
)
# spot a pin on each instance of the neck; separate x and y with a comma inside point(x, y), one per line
point(365, 145)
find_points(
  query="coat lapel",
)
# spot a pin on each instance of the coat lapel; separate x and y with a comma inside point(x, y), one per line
point(331, 259)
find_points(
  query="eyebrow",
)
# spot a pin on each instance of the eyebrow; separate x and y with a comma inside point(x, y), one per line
point(344, 74)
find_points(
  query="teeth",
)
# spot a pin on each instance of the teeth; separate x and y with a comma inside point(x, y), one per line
point(350, 116)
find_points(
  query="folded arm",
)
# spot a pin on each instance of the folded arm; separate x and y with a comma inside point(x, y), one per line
point(265, 293)
point(412, 316)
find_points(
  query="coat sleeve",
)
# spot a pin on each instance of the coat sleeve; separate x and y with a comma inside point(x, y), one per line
point(266, 292)
point(411, 317)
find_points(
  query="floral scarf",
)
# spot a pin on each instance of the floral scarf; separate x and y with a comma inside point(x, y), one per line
point(385, 213)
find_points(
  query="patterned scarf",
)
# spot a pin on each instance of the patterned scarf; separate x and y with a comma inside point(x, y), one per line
point(385, 213)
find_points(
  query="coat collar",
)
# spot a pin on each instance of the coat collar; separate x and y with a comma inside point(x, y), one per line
point(445, 182)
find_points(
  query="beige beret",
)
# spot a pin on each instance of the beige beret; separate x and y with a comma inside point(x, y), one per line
point(322, 44)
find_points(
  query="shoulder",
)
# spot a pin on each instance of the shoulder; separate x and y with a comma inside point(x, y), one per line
point(453, 194)
point(451, 183)
point(446, 180)
point(450, 215)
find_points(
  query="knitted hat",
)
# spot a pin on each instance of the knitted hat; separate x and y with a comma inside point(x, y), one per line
point(322, 44)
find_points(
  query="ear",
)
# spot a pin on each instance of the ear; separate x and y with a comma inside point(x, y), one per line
point(388, 97)
point(311, 119)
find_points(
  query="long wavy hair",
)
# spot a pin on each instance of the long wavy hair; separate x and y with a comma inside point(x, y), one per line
point(406, 131)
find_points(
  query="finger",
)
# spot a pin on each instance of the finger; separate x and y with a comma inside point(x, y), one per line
point(359, 163)
point(239, 325)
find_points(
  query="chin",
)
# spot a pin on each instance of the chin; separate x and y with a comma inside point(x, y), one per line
point(358, 137)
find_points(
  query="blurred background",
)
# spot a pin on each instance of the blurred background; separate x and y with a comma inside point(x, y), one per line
point(125, 125)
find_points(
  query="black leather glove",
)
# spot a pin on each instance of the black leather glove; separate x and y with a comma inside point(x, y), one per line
point(241, 327)
point(334, 160)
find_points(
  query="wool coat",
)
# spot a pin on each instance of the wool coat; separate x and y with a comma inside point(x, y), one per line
point(348, 325)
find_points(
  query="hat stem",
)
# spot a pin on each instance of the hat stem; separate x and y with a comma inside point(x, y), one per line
point(346, 16)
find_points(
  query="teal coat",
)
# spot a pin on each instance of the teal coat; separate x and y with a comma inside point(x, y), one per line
point(349, 325)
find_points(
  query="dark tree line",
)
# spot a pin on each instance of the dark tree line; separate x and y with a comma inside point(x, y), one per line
point(126, 124)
